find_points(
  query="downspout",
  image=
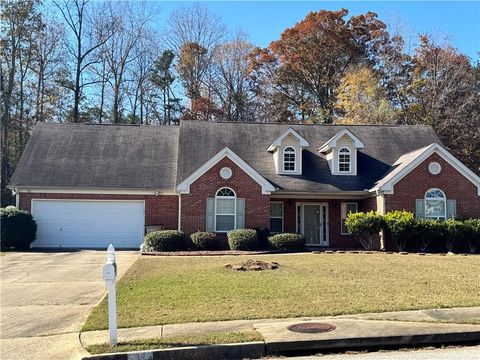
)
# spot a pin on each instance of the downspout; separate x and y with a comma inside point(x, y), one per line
point(381, 211)
point(179, 211)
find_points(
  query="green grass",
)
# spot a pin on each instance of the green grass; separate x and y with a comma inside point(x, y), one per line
point(178, 341)
point(166, 290)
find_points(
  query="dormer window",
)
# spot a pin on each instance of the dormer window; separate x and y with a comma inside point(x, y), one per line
point(287, 152)
point(341, 153)
point(289, 159)
point(344, 160)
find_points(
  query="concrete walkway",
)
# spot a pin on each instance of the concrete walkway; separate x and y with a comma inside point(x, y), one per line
point(403, 323)
point(45, 299)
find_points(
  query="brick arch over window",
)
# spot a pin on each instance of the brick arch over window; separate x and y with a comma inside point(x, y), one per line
point(193, 205)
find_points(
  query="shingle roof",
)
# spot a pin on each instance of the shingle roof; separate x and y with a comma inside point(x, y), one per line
point(99, 156)
point(160, 157)
point(200, 141)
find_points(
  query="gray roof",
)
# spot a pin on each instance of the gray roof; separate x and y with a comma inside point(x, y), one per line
point(200, 141)
point(99, 156)
point(160, 157)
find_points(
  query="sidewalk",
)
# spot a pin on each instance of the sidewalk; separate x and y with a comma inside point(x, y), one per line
point(444, 318)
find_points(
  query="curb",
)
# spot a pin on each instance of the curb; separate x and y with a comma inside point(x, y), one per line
point(251, 350)
point(373, 342)
point(256, 350)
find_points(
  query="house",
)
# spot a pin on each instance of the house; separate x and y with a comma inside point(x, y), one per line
point(90, 185)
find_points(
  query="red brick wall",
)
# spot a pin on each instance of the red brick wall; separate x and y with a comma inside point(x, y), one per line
point(193, 208)
point(455, 186)
point(159, 210)
point(336, 239)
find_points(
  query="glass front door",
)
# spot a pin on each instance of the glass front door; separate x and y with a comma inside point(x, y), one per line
point(313, 223)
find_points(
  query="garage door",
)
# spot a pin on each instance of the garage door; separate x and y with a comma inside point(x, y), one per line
point(88, 224)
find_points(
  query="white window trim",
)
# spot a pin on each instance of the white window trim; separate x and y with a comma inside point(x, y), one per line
point(444, 199)
point(349, 152)
point(234, 211)
point(341, 205)
point(278, 217)
point(294, 159)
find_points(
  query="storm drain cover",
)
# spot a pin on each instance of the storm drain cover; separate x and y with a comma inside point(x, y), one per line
point(312, 327)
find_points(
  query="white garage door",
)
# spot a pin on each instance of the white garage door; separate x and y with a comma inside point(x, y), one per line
point(88, 224)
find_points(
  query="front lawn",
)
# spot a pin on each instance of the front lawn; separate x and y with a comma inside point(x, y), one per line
point(178, 341)
point(166, 290)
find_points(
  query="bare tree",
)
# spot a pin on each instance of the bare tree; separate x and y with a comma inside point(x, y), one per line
point(89, 33)
point(230, 78)
point(47, 62)
point(193, 34)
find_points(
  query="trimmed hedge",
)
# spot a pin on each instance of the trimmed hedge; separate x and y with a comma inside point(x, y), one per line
point(203, 240)
point(287, 241)
point(365, 227)
point(243, 239)
point(400, 227)
point(18, 229)
point(472, 234)
point(416, 234)
point(164, 240)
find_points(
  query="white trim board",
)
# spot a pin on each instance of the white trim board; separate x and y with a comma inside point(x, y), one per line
point(184, 186)
point(357, 143)
point(278, 141)
point(386, 185)
point(93, 191)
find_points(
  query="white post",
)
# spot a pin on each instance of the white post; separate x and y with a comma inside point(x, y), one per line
point(110, 275)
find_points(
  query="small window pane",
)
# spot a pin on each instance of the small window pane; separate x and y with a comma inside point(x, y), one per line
point(351, 208)
point(225, 222)
point(276, 210)
point(435, 208)
point(276, 225)
point(225, 206)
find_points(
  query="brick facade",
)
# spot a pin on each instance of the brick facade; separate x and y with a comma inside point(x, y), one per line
point(415, 184)
point(193, 207)
point(159, 210)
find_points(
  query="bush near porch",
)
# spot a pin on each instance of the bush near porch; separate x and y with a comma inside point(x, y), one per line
point(406, 232)
point(166, 290)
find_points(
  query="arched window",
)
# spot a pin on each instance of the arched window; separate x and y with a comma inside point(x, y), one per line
point(344, 160)
point(225, 210)
point(289, 159)
point(435, 204)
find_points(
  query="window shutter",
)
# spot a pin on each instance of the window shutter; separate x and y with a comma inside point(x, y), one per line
point(210, 214)
point(420, 209)
point(240, 213)
point(451, 209)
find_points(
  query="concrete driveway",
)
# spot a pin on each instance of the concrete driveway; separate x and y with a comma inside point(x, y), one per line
point(45, 299)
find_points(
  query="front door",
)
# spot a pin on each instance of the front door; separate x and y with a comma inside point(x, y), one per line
point(314, 223)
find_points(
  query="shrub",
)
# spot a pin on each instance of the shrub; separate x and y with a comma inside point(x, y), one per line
point(243, 239)
point(428, 231)
point(287, 241)
point(399, 226)
point(365, 227)
point(18, 229)
point(262, 235)
point(472, 234)
point(164, 240)
point(204, 240)
point(454, 233)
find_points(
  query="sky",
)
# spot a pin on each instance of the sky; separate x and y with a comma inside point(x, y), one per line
point(458, 22)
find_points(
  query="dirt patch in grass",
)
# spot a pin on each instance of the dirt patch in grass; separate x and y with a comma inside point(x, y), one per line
point(253, 265)
point(178, 341)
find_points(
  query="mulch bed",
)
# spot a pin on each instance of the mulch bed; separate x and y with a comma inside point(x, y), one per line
point(209, 253)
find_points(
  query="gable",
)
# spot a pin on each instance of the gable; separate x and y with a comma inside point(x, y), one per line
point(419, 158)
point(184, 186)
